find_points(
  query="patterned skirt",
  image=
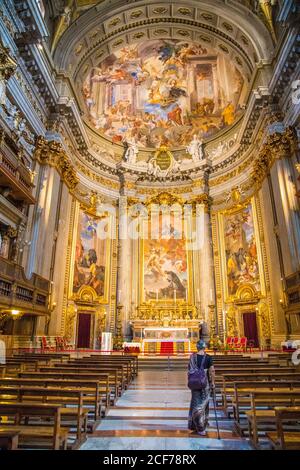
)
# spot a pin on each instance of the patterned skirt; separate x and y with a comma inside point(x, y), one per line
point(199, 410)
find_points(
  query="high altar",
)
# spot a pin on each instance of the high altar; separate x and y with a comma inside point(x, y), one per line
point(166, 340)
point(158, 322)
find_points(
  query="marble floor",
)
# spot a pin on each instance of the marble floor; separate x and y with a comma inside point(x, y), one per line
point(152, 415)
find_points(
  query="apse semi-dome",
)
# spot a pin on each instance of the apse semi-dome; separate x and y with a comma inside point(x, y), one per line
point(163, 92)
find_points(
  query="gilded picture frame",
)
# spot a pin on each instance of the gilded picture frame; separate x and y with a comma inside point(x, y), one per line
point(81, 294)
point(247, 261)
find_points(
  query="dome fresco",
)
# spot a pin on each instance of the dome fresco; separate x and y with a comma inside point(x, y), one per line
point(163, 92)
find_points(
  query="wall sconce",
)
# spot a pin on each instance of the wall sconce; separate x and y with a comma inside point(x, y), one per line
point(16, 314)
point(13, 314)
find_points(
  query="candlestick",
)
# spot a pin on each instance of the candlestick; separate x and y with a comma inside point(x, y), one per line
point(211, 296)
point(119, 296)
point(198, 295)
point(156, 294)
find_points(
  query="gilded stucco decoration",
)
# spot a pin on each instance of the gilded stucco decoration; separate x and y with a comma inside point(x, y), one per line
point(8, 64)
point(264, 318)
point(51, 153)
point(70, 318)
point(231, 322)
point(8, 67)
point(277, 146)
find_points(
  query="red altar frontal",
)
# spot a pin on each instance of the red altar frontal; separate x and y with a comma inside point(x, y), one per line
point(165, 340)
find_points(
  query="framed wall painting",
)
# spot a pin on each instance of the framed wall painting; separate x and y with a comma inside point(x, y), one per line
point(240, 250)
point(90, 265)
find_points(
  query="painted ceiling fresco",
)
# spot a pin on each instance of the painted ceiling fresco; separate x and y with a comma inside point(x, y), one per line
point(163, 92)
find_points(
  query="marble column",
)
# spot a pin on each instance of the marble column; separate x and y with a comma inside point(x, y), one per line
point(207, 279)
point(124, 265)
point(286, 179)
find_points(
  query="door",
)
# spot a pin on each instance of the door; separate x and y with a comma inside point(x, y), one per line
point(250, 328)
point(84, 330)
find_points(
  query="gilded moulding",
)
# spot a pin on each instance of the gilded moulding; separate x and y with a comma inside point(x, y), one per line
point(246, 297)
point(8, 64)
point(51, 153)
point(99, 179)
point(165, 198)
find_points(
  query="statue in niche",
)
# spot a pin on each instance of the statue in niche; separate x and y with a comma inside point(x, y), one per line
point(131, 151)
point(195, 149)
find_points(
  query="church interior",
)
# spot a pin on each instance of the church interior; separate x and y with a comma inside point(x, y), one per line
point(149, 199)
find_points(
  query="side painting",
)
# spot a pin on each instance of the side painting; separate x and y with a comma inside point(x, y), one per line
point(165, 265)
point(90, 256)
point(241, 250)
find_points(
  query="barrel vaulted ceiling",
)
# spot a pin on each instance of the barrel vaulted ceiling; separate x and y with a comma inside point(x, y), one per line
point(98, 32)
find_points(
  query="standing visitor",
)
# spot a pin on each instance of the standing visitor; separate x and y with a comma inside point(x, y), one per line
point(201, 374)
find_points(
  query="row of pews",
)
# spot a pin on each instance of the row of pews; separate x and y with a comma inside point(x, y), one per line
point(262, 397)
point(52, 401)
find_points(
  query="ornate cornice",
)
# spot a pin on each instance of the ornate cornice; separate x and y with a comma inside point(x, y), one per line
point(108, 183)
point(165, 198)
point(8, 64)
point(52, 153)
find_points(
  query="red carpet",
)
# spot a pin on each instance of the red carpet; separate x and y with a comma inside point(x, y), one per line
point(167, 347)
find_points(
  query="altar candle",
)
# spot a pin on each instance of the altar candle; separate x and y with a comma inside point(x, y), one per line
point(211, 296)
point(198, 295)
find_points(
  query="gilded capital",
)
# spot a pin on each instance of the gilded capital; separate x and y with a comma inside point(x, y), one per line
point(277, 146)
point(204, 200)
point(51, 153)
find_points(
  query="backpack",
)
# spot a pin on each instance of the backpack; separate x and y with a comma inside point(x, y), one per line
point(197, 377)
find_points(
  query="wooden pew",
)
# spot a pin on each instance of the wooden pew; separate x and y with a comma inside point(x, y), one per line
point(99, 389)
point(133, 360)
point(228, 381)
point(9, 440)
point(43, 357)
point(120, 370)
point(267, 400)
point(115, 375)
point(35, 435)
point(2, 370)
point(74, 414)
point(106, 382)
point(241, 401)
point(130, 366)
point(284, 439)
